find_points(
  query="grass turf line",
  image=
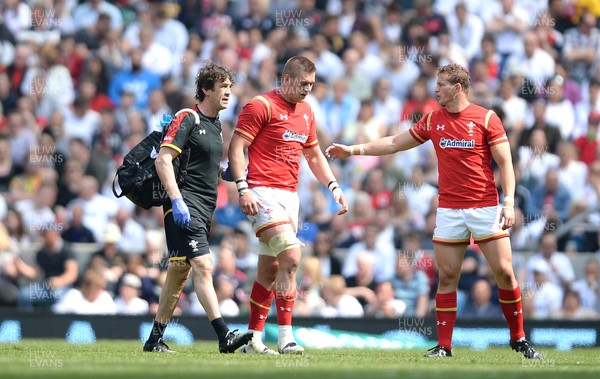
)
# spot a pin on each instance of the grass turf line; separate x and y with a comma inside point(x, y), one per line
point(115, 359)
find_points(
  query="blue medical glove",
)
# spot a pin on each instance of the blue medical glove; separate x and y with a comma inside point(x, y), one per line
point(181, 213)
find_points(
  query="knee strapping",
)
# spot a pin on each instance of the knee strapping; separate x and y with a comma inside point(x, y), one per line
point(283, 241)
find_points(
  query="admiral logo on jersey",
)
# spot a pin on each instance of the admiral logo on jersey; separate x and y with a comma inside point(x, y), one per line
point(457, 144)
point(291, 136)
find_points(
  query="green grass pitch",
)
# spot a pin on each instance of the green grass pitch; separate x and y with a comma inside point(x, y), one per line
point(125, 359)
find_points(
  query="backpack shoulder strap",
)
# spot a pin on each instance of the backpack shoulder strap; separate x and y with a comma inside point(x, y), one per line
point(193, 112)
point(267, 103)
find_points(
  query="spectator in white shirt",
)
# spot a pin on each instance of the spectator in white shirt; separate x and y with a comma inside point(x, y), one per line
point(587, 287)
point(155, 57)
point(169, 32)
point(515, 110)
point(338, 303)
point(37, 212)
point(81, 121)
point(547, 296)
point(572, 173)
point(419, 193)
point(329, 66)
point(133, 235)
point(385, 105)
point(383, 254)
point(97, 209)
point(466, 30)
point(16, 15)
point(536, 64)
point(129, 302)
point(401, 71)
point(559, 110)
point(91, 299)
point(507, 22)
point(560, 269)
point(535, 160)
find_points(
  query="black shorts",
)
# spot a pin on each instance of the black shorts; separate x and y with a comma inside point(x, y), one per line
point(186, 243)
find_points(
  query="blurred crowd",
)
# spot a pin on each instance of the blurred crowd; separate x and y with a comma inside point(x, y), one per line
point(82, 82)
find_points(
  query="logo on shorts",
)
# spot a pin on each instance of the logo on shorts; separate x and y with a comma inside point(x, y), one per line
point(194, 245)
point(456, 144)
point(269, 213)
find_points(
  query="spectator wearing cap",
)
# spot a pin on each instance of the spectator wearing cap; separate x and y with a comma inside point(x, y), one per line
point(129, 302)
point(54, 264)
point(90, 299)
point(547, 296)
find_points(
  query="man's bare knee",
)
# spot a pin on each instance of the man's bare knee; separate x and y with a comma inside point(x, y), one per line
point(203, 267)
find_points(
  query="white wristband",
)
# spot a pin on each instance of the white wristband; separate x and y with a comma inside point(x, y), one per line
point(509, 199)
point(351, 150)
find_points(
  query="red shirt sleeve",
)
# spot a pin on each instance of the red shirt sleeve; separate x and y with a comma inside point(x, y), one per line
point(420, 130)
point(253, 117)
point(495, 130)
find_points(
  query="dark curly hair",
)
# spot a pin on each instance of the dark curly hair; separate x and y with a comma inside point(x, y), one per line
point(209, 74)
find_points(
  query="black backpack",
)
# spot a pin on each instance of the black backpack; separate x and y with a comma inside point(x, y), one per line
point(137, 176)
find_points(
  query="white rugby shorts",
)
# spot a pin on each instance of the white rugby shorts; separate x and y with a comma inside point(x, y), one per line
point(456, 226)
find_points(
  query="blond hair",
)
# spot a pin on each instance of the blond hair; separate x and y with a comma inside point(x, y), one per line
point(456, 74)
